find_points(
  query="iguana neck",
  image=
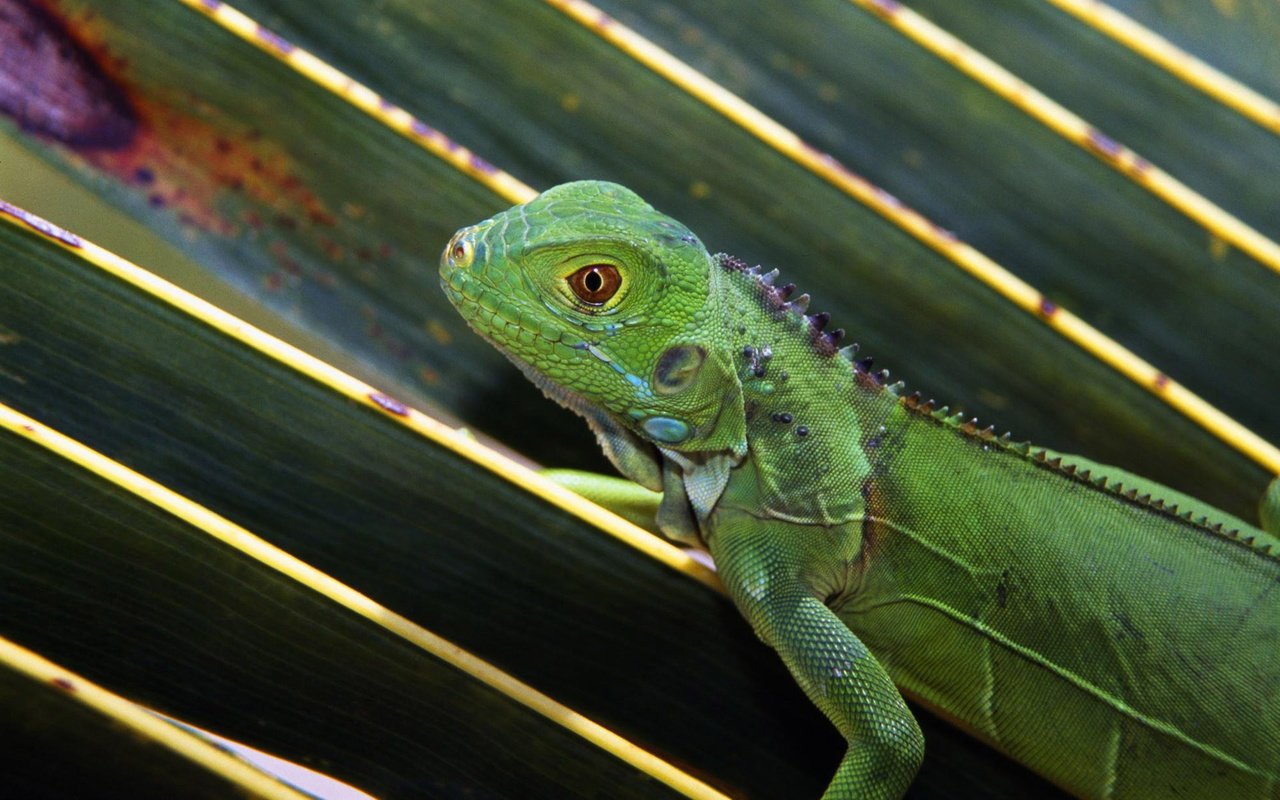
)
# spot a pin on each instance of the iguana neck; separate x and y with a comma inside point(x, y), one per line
point(811, 412)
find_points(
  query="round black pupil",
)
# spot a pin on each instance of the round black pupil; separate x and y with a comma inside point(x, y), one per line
point(593, 281)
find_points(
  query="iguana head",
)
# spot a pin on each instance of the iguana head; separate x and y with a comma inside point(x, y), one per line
point(602, 299)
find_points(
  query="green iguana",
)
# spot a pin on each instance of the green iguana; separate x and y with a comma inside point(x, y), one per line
point(1118, 637)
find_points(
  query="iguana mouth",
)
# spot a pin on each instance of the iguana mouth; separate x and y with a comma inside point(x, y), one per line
point(487, 311)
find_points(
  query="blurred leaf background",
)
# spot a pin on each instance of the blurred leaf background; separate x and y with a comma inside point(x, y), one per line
point(218, 166)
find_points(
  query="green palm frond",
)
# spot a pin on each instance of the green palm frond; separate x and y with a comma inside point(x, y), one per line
point(317, 155)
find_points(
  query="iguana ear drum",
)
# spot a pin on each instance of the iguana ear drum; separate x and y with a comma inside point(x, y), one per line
point(667, 429)
point(677, 368)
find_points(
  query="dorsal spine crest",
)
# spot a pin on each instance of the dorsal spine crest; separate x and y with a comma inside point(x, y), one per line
point(1042, 459)
point(777, 299)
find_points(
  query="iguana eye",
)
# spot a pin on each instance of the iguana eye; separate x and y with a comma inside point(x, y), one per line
point(594, 284)
point(460, 251)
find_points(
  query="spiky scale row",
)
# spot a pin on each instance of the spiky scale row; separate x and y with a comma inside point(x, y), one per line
point(778, 299)
point(1147, 500)
point(1158, 504)
point(943, 415)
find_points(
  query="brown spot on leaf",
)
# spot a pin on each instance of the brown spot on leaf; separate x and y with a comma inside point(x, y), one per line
point(480, 165)
point(52, 86)
point(280, 44)
point(439, 332)
point(1103, 145)
point(180, 154)
point(422, 129)
point(40, 224)
point(320, 217)
point(886, 8)
point(279, 251)
point(332, 250)
point(64, 684)
point(389, 404)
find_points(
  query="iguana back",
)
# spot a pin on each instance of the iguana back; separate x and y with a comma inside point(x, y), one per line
point(1115, 646)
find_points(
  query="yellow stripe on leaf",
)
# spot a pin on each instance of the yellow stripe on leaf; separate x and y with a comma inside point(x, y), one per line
point(135, 719)
point(1075, 129)
point(1179, 63)
point(366, 99)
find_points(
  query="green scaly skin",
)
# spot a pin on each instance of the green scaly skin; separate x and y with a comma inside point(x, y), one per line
point(1121, 646)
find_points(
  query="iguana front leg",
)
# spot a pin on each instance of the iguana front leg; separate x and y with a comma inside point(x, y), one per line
point(772, 585)
point(623, 497)
point(772, 579)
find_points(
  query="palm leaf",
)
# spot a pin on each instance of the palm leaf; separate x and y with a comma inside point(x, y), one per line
point(332, 217)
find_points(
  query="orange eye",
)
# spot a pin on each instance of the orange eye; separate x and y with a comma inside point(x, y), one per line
point(594, 284)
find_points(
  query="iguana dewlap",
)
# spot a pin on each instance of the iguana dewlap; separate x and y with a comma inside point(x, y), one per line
point(1116, 636)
